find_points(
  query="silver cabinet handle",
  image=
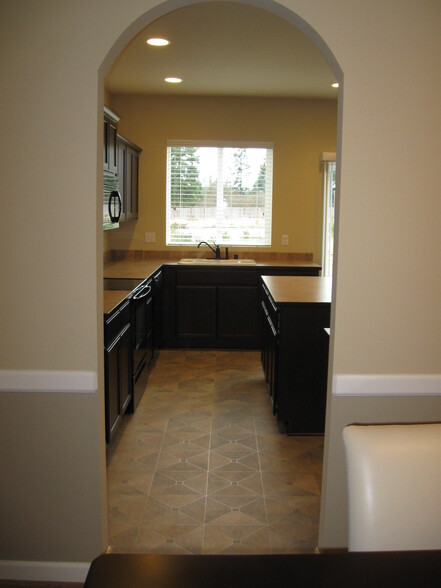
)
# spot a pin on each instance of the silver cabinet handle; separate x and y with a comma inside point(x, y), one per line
point(145, 291)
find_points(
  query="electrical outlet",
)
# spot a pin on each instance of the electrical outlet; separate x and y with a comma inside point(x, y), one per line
point(285, 239)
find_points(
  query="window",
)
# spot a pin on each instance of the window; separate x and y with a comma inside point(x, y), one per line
point(219, 193)
point(328, 160)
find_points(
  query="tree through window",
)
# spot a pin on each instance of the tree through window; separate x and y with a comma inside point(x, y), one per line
point(219, 193)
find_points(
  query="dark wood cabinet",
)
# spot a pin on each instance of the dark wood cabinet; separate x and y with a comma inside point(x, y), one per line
point(157, 309)
point(149, 329)
point(128, 172)
point(122, 169)
point(110, 140)
point(295, 351)
point(125, 368)
point(213, 307)
point(118, 366)
point(132, 178)
point(269, 350)
point(113, 405)
point(195, 313)
point(218, 307)
point(237, 314)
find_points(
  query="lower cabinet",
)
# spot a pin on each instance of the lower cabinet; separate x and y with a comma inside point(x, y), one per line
point(295, 361)
point(216, 307)
point(196, 313)
point(142, 338)
point(269, 353)
point(118, 366)
point(157, 309)
point(237, 314)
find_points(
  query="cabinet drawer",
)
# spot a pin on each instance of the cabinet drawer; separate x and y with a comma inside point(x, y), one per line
point(114, 323)
point(215, 276)
point(270, 307)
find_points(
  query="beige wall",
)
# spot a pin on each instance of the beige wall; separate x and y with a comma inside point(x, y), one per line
point(299, 129)
point(386, 317)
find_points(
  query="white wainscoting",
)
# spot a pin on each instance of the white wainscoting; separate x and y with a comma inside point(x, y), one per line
point(44, 571)
point(48, 381)
point(386, 385)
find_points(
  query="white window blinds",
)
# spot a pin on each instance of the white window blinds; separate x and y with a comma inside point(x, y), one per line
point(219, 193)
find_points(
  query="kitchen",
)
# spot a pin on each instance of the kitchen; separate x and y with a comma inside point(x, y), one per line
point(301, 122)
point(386, 323)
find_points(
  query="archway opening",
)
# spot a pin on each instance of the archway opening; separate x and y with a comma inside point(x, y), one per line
point(272, 8)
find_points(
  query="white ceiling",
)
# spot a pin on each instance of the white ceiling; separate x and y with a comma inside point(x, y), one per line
point(223, 48)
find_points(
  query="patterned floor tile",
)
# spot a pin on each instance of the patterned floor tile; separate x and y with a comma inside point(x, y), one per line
point(201, 467)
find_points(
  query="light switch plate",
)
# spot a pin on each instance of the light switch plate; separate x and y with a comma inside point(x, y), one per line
point(285, 239)
point(150, 237)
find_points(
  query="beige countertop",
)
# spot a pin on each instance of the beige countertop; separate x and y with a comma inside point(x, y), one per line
point(142, 268)
point(299, 289)
point(112, 298)
point(132, 268)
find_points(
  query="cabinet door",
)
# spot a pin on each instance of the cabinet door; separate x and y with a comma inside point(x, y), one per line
point(196, 312)
point(113, 404)
point(269, 354)
point(128, 163)
point(132, 183)
point(134, 160)
point(264, 344)
point(125, 369)
point(157, 309)
point(272, 342)
point(238, 314)
point(149, 329)
point(122, 176)
point(110, 149)
point(303, 354)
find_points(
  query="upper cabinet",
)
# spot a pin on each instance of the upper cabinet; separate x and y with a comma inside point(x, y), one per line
point(121, 157)
point(110, 159)
point(128, 164)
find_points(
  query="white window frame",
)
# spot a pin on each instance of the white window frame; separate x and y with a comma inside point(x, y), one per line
point(220, 232)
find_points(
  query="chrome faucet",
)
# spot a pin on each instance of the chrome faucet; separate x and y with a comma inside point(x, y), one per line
point(215, 249)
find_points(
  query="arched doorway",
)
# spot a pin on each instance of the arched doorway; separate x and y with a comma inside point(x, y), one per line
point(270, 6)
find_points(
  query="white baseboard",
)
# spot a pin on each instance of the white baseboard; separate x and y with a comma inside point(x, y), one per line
point(48, 381)
point(387, 385)
point(44, 571)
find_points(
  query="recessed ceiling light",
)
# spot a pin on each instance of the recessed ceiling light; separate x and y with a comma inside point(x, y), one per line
point(173, 80)
point(157, 42)
point(335, 85)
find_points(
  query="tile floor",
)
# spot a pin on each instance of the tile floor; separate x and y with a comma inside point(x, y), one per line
point(201, 467)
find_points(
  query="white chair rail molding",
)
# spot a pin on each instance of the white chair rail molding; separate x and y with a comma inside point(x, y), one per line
point(386, 385)
point(81, 382)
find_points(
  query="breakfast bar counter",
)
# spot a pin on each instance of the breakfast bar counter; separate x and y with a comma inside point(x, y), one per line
point(295, 312)
point(299, 289)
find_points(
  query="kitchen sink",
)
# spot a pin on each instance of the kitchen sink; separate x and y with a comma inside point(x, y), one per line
point(199, 261)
